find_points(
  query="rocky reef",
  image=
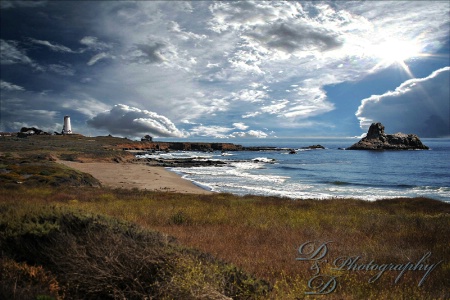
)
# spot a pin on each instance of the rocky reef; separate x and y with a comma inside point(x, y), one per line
point(376, 139)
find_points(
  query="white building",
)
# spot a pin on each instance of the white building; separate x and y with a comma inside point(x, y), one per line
point(67, 128)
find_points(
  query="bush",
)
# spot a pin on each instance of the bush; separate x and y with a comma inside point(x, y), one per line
point(21, 281)
point(42, 172)
point(95, 257)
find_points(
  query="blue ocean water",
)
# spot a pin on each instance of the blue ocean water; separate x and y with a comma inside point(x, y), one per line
point(327, 173)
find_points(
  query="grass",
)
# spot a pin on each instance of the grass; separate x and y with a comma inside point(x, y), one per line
point(83, 255)
point(262, 236)
point(63, 238)
point(40, 170)
point(66, 147)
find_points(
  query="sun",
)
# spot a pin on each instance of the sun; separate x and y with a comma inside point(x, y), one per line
point(396, 51)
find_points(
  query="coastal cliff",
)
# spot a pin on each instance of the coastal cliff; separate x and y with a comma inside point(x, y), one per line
point(376, 139)
point(180, 146)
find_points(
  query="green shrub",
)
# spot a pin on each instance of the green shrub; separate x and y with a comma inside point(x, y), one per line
point(35, 172)
point(95, 257)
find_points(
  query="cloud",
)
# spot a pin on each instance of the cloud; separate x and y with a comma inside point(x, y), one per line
point(244, 14)
point(222, 132)
point(224, 64)
point(86, 105)
point(183, 34)
point(52, 46)
point(97, 57)
point(250, 134)
point(275, 107)
point(162, 52)
point(10, 86)
point(291, 38)
point(211, 131)
point(126, 120)
point(5, 4)
point(11, 54)
point(240, 126)
point(60, 69)
point(249, 95)
point(308, 100)
point(40, 118)
point(148, 53)
point(92, 43)
point(419, 106)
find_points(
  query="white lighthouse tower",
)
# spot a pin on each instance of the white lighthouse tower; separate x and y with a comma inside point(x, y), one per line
point(67, 129)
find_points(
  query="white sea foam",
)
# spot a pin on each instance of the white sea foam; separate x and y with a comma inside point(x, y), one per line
point(263, 159)
point(327, 174)
point(178, 155)
point(239, 181)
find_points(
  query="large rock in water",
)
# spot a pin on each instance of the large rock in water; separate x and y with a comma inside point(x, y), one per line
point(376, 139)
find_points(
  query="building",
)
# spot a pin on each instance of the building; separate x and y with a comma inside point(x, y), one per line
point(147, 138)
point(67, 128)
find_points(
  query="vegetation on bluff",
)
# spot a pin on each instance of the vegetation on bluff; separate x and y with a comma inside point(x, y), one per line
point(64, 253)
point(40, 170)
point(72, 240)
point(127, 251)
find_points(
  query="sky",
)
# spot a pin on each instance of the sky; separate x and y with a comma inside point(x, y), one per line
point(238, 69)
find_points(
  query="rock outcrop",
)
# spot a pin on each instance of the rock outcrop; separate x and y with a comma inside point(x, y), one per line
point(179, 146)
point(376, 139)
point(314, 147)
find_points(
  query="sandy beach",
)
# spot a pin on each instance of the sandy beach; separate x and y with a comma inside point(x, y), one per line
point(127, 175)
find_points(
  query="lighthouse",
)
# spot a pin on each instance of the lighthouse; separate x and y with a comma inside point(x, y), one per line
point(67, 128)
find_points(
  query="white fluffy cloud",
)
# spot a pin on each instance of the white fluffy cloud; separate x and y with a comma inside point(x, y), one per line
point(249, 134)
point(125, 120)
point(250, 95)
point(227, 132)
point(419, 106)
point(211, 131)
point(240, 126)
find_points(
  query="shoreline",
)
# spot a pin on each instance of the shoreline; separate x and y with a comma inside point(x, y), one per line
point(141, 176)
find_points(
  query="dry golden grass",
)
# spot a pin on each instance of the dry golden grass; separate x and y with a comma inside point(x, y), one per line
point(258, 234)
point(262, 235)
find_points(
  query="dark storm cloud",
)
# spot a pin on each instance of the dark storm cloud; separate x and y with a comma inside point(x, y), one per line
point(290, 38)
point(148, 53)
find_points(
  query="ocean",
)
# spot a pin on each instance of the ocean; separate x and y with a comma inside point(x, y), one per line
point(325, 173)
